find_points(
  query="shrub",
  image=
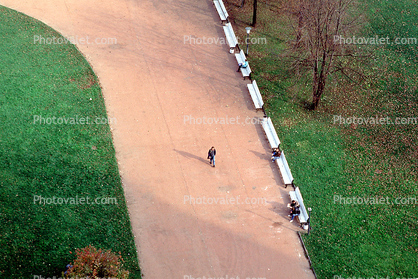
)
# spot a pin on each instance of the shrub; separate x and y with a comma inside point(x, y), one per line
point(96, 263)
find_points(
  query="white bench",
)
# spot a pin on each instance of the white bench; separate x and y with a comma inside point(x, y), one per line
point(230, 36)
point(270, 132)
point(303, 216)
point(255, 95)
point(246, 72)
point(284, 170)
point(220, 7)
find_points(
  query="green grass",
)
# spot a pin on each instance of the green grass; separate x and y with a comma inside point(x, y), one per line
point(329, 160)
point(53, 160)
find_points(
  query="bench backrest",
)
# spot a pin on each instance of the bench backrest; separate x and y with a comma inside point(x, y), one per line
point(258, 101)
point(256, 88)
point(242, 55)
point(228, 28)
point(270, 132)
point(248, 69)
point(221, 3)
point(286, 166)
point(257, 92)
point(302, 205)
point(273, 131)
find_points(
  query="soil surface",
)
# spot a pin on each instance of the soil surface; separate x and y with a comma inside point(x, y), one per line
point(173, 97)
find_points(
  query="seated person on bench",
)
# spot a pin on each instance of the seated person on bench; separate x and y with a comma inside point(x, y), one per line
point(242, 65)
point(275, 154)
point(295, 210)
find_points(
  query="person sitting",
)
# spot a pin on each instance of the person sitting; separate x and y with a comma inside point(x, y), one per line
point(295, 212)
point(242, 65)
point(293, 204)
point(275, 154)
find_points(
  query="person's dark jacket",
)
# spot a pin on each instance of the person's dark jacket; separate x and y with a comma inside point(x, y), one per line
point(211, 153)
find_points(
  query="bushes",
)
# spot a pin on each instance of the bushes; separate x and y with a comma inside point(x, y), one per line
point(93, 263)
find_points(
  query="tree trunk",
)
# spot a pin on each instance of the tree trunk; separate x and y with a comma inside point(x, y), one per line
point(314, 84)
point(300, 25)
point(319, 80)
point(254, 14)
point(319, 87)
point(318, 93)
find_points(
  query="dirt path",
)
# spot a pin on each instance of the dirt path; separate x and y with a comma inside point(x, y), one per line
point(154, 84)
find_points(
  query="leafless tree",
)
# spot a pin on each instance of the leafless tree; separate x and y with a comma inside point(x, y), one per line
point(316, 49)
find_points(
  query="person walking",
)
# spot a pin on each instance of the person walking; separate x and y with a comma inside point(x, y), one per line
point(211, 156)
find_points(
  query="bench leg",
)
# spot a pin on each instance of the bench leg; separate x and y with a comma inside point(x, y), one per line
point(300, 224)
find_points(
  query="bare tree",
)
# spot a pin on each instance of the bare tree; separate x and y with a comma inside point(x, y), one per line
point(319, 25)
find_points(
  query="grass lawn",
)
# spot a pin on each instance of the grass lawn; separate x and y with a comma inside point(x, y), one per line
point(329, 160)
point(65, 161)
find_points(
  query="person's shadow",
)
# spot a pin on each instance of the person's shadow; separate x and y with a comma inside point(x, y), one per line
point(191, 156)
point(276, 207)
point(261, 155)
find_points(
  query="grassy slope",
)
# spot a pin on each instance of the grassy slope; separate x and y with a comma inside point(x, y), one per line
point(365, 161)
point(53, 160)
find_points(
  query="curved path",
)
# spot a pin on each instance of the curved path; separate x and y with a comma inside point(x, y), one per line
point(153, 83)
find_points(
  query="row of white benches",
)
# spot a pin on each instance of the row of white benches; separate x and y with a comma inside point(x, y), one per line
point(231, 38)
point(233, 45)
point(240, 56)
point(287, 176)
point(274, 142)
point(258, 103)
